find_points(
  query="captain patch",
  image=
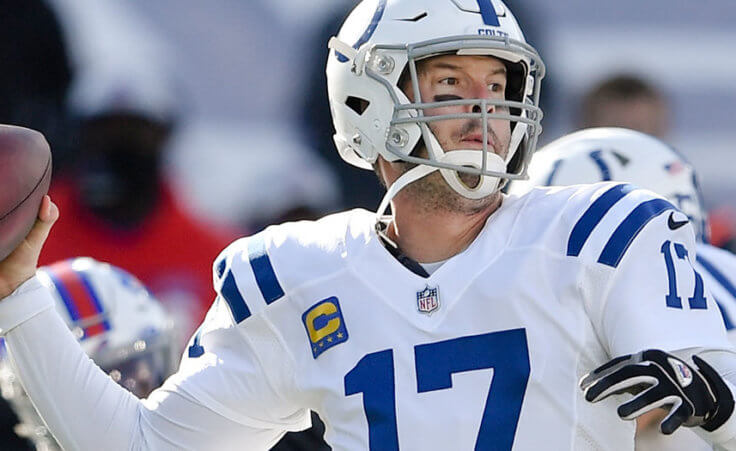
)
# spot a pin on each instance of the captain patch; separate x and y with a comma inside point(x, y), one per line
point(325, 325)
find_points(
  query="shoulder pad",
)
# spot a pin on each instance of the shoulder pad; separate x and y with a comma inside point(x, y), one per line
point(254, 272)
point(244, 271)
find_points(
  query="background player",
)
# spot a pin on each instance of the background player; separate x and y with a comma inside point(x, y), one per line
point(120, 326)
point(619, 154)
point(387, 326)
point(627, 101)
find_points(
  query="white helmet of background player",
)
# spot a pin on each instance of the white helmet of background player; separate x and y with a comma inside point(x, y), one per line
point(619, 154)
point(119, 325)
point(381, 40)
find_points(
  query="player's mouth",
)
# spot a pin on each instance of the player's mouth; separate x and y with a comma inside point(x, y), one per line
point(475, 141)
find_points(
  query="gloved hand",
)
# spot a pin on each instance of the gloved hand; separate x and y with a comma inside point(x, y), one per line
point(693, 397)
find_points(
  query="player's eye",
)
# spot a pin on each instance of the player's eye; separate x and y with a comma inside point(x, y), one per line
point(449, 81)
point(496, 87)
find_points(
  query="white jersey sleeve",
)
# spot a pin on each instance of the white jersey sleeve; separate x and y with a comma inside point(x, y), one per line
point(237, 363)
point(642, 288)
point(718, 268)
point(230, 392)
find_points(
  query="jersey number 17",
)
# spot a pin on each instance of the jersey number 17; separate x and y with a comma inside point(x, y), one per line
point(505, 351)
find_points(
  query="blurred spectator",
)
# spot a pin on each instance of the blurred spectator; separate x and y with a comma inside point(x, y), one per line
point(255, 174)
point(116, 205)
point(628, 101)
point(243, 122)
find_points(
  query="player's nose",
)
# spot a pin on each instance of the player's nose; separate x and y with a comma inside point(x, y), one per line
point(478, 109)
point(480, 91)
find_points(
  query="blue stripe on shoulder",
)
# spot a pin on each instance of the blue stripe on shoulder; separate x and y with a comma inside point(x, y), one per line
point(593, 215)
point(263, 271)
point(625, 233)
point(220, 267)
point(231, 293)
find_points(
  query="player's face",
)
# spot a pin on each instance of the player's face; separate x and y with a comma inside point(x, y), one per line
point(455, 77)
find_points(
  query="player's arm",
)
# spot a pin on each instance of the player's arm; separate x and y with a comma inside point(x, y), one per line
point(86, 410)
point(655, 308)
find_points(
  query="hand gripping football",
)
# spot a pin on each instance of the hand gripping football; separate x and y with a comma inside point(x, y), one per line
point(25, 174)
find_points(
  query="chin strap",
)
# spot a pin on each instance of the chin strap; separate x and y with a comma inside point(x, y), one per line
point(408, 177)
point(487, 185)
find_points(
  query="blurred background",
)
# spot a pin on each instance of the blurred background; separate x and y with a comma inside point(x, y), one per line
point(178, 125)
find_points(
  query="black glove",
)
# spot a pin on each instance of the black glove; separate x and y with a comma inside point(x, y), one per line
point(694, 397)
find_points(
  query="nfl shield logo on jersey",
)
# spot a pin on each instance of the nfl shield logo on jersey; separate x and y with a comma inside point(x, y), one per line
point(428, 300)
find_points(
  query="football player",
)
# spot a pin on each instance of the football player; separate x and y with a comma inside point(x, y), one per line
point(463, 319)
point(120, 326)
point(619, 154)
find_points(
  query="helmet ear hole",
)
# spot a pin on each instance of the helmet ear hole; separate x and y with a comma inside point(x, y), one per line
point(515, 80)
point(357, 104)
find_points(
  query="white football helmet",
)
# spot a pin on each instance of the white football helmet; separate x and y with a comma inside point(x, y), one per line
point(381, 40)
point(619, 154)
point(119, 325)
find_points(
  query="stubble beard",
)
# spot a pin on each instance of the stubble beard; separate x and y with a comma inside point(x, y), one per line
point(433, 194)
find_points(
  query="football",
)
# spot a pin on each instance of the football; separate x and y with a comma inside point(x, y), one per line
point(25, 174)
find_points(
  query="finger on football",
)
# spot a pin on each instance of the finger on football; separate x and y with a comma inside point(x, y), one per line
point(631, 379)
point(47, 215)
point(648, 400)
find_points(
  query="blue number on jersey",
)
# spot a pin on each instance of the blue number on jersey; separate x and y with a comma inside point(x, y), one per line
point(374, 377)
point(697, 301)
point(506, 352)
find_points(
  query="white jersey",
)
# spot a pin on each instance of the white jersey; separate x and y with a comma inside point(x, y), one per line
point(486, 353)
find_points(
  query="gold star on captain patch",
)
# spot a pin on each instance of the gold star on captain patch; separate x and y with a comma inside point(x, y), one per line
point(339, 335)
point(329, 339)
point(321, 344)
